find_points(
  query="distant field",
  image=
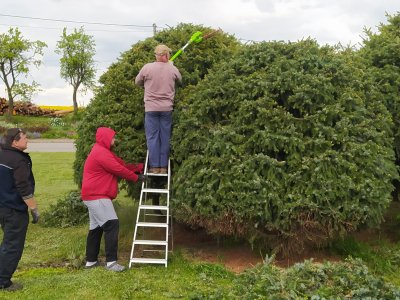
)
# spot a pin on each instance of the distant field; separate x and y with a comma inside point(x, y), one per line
point(56, 107)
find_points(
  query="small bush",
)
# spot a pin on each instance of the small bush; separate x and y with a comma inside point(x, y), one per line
point(57, 122)
point(308, 280)
point(67, 212)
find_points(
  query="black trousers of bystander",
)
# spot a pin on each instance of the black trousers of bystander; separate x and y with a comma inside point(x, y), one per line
point(14, 224)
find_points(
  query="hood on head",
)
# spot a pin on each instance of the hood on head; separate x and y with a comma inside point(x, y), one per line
point(104, 136)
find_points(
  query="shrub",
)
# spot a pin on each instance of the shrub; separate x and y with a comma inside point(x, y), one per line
point(57, 122)
point(308, 280)
point(67, 212)
point(286, 143)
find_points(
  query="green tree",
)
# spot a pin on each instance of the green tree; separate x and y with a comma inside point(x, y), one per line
point(16, 56)
point(77, 63)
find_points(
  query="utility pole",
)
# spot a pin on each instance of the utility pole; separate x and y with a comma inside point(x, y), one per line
point(154, 29)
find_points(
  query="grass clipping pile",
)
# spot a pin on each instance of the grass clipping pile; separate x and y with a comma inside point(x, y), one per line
point(67, 212)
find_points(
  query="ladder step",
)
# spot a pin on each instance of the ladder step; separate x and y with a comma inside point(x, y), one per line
point(147, 224)
point(158, 191)
point(156, 174)
point(149, 260)
point(150, 242)
point(153, 207)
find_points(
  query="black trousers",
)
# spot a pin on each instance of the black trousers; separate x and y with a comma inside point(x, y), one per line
point(14, 225)
point(156, 183)
point(111, 230)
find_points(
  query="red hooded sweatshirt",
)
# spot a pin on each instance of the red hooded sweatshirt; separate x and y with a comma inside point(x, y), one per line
point(103, 168)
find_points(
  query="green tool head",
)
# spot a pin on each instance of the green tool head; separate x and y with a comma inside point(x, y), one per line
point(196, 37)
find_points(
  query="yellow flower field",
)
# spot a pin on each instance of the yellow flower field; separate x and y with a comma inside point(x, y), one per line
point(56, 107)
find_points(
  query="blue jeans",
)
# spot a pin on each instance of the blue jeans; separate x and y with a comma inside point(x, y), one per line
point(158, 126)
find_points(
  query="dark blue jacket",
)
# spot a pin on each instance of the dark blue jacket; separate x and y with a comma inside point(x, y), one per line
point(16, 178)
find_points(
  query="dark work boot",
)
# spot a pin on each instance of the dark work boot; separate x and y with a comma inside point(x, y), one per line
point(15, 286)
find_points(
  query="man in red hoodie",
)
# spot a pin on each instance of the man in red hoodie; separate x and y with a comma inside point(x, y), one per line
point(99, 187)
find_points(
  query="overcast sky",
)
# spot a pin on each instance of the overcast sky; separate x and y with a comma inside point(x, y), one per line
point(329, 22)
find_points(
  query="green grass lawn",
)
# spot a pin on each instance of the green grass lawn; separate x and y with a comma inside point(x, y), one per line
point(54, 176)
point(51, 265)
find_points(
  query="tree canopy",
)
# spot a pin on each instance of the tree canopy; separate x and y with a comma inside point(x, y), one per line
point(77, 51)
point(17, 54)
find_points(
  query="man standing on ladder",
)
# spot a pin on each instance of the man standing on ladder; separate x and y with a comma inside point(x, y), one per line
point(158, 79)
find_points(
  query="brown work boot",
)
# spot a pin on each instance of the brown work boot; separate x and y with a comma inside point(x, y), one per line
point(163, 171)
point(15, 286)
point(154, 170)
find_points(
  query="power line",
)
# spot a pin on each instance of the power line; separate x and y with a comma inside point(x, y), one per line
point(79, 22)
point(58, 28)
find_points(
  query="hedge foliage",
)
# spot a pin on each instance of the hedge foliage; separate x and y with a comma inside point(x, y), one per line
point(118, 103)
point(381, 52)
point(286, 140)
point(286, 143)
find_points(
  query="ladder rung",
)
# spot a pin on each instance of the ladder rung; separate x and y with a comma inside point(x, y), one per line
point(147, 224)
point(149, 260)
point(153, 207)
point(150, 242)
point(156, 174)
point(155, 215)
point(158, 191)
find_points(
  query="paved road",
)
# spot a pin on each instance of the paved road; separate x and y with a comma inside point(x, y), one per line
point(48, 145)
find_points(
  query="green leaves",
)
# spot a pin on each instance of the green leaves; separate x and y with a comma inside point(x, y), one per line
point(118, 103)
point(284, 143)
point(17, 54)
point(284, 139)
point(381, 53)
point(349, 279)
point(77, 52)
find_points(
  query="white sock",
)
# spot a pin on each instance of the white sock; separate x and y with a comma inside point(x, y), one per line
point(109, 263)
point(90, 263)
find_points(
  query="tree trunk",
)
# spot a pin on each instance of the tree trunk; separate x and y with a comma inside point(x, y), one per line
point(10, 111)
point(74, 100)
point(10, 103)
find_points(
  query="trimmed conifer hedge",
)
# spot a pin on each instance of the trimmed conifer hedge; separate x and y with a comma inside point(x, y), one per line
point(286, 143)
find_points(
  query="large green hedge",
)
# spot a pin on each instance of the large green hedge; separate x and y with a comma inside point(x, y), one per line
point(287, 143)
point(284, 140)
point(118, 103)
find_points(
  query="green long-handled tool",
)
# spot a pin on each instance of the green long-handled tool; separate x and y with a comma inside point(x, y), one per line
point(197, 37)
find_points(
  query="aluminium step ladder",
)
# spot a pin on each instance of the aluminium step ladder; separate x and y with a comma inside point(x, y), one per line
point(160, 220)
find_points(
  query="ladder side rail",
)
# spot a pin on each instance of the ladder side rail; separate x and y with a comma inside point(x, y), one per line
point(143, 193)
point(138, 213)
